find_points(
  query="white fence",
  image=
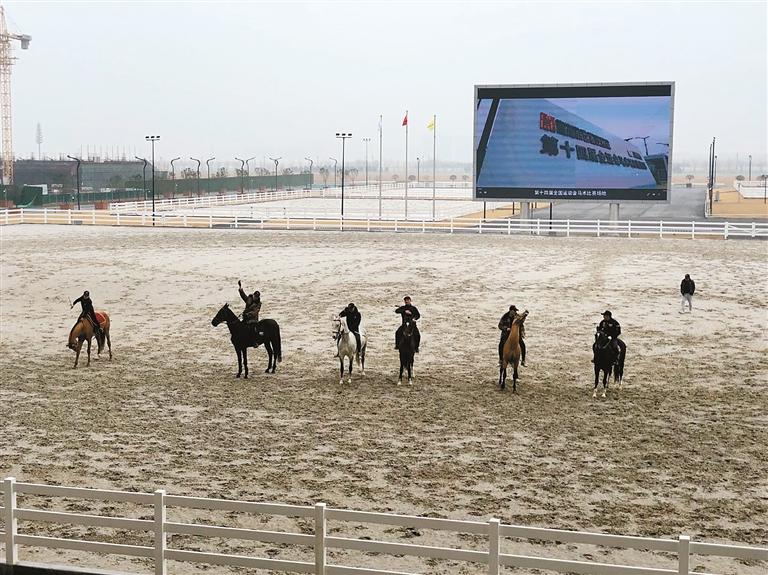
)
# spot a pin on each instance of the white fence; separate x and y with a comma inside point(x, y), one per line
point(493, 532)
point(506, 226)
point(208, 201)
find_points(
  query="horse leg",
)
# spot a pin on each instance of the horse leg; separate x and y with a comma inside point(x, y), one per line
point(402, 367)
point(515, 365)
point(410, 372)
point(109, 345)
point(362, 361)
point(271, 364)
point(341, 370)
point(502, 374)
point(239, 361)
point(597, 379)
point(245, 362)
point(350, 368)
point(77, 352)
point(89, 353)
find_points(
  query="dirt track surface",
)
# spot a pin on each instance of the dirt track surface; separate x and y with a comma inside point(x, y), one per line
point(680, 450)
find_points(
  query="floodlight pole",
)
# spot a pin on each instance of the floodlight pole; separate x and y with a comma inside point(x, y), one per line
point(749, 178)
point(152, 140)
point(343, 136)
point(277, 161)
point(242, 175)
point(248, 170)
point(335, 163)
point(143, 176)
point(173, 177)
point(208, 180)
point(311, 163)
point(366, 140)
point(198, 173)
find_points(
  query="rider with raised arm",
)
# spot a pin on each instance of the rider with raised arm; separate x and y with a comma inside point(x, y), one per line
point(409, 313)
point(612, 328)
point(353, 322)
point(88, 311)
point(252, 306)
point(505, 325)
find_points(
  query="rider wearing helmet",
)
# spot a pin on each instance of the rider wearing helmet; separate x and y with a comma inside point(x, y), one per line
point(409, 313)
point(353, 322)
point(252, 306)
point(505, 325)
point(612, 329)
point(88, 311)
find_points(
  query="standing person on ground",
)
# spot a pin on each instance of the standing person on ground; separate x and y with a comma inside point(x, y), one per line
point(88, 311)
point(408, 313)
point(687, 287)
point(252, 306)
point(353, 323)
point(505, 325)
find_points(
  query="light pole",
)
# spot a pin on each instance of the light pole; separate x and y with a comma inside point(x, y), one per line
point(242, 175)
point(152, 140)
point(248, 170)
point(198, 174)
point(750, 168)
point(643, 138)
point(418, 168)
point(764, 177)
point(311, 163)
point(335, 163)
point(277, 161)
point(366, 140)
point(173, 177)
point(143, 176)
point(343, 136)
point(79, 161)
point(208, 178)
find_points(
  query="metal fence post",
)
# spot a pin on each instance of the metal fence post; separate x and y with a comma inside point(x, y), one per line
point(160, 567)
point(693, 229)
point(423, 225)
point(288, 223)
point(629, 228)
point(753, 226)
point(538, 226)
point(493, 544)
point(451, 224)
point(368, 224)
point(509, 226)
point(598, 228)
point(11, 525)
point(480, 227)
point(320, 539)
point(93, 217)
point(235, 220)
point(395, 224)
point(69, 216)
point(184, 220)
point(683, 554)
point(314, 224)
point(725, 231)
point(45, 215)
point(21, 213)
point(661, 228)
point(568, 228)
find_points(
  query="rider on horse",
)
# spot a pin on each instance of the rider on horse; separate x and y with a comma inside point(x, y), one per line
point(88, 312)
point(612, 329)
point(252, 306)
point(505, 325)
point(353, 323)
point(409, 313)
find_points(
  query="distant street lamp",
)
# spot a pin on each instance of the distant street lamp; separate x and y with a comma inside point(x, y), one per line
point(248, 170)
point(343, 136)
point(366, 140)
point(418, 167)
point(750, 168)
point(764, 177)
point(173, 177)
point(277, 161)
point(643, 138)
point(79, 161)
point(152, 140)
point(198, 173)
point(242, 175)
point(335, 163)
point(143, 176)
point(311, 163)
point(208, 179)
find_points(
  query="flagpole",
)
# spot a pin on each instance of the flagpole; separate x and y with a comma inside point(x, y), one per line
point(380, 148)
point(406, 164)
point(434, 160)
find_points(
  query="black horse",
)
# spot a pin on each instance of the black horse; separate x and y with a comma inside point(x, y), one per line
point(407, 349)
point(267, 332)
point(607, 359)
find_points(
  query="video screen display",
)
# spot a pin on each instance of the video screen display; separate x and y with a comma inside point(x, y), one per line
point(587, 142)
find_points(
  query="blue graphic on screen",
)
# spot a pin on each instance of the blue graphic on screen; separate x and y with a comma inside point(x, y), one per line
point(610, 145)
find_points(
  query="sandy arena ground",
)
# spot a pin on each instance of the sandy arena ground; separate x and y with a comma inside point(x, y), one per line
point(681, 450)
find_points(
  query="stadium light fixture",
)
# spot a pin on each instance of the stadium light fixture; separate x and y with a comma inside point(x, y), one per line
point(343, 136)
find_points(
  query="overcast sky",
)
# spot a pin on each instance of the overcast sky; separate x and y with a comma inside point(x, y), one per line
point(279, 79)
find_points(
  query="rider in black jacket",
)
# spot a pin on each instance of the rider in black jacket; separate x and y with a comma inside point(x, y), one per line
point(353, 322)
point(505, 324)
point(612, 328)
point(409, 313)
point(88, 311)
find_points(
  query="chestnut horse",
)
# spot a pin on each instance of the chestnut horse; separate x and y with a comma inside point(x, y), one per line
point(83, 331)
point(511, 352)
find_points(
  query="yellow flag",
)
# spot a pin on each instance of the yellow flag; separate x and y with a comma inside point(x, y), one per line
point(431, 125)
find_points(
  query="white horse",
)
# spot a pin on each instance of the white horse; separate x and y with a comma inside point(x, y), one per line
point(347, 346)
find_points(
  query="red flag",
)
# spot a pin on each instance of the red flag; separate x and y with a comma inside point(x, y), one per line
point(405, 120)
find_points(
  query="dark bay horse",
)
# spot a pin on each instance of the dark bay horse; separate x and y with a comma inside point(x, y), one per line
point(83, 331)
point(267, 332)
point(607, 359)
point(511, 352)
point(407, 349)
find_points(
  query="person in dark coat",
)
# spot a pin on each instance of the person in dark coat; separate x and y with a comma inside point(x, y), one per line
point(687, 287)
point(252, 306)
point(353, 322)
point(408, 312)
point(505, 325)
point(612, 328)
point(88, 311)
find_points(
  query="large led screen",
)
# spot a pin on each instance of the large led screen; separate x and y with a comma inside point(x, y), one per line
point(586, 142)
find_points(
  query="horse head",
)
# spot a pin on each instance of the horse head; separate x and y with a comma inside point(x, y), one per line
point(602, 339)
point(520, 318)
point(337, 326)
point(224, 314)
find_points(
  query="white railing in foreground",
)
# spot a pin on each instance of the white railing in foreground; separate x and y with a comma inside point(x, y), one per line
point(506, 226)
point(159, 527)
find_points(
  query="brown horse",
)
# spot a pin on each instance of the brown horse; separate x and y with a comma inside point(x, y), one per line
point(511, 352)
point(83, 331)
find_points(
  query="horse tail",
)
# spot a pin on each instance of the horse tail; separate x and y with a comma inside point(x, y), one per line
point(277, 345)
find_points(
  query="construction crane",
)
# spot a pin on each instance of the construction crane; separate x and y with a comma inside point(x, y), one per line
point(6, 61)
